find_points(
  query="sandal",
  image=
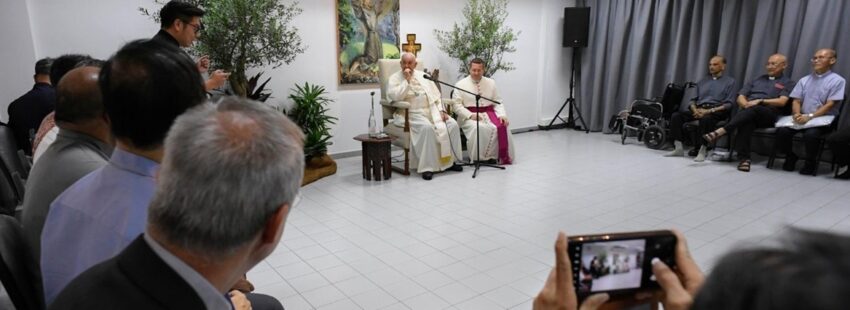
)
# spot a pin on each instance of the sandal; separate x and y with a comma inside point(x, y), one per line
point(744, 165)
point(711, 136)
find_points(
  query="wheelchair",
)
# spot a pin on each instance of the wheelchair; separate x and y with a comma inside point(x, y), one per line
point(649, 119)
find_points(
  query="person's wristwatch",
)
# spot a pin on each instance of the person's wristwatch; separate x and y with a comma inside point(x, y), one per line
point(810, 115)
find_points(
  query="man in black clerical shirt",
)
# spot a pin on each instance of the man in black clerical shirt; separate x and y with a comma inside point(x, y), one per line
point(180, 24)
point(26, 112)
point(760, 102)
point(715, 94)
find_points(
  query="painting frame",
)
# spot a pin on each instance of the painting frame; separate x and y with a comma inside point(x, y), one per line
point(367, 30)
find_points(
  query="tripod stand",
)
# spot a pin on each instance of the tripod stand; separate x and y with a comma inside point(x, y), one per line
point(571, 101)
point(477, 162)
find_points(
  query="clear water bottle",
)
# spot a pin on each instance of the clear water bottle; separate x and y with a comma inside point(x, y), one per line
point(373, 125)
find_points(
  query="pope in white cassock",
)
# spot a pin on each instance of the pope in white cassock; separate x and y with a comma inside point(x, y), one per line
point(496, 140)
point(435, 137)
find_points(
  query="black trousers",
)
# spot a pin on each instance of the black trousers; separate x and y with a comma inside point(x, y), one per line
point(746, 121)
point(811, 138)
point(839, 143)
point(706, 125)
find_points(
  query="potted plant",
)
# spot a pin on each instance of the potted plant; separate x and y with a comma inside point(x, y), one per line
point(483, 34)
point(239, 35)
point(309, 111)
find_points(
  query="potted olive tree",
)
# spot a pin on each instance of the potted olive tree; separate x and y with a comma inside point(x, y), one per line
point(239, 35)
point(483, 34)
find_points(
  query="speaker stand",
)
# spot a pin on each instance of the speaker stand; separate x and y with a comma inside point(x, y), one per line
point(574, 112)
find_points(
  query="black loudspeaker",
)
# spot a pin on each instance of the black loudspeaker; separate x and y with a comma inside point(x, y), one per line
point(576, 24)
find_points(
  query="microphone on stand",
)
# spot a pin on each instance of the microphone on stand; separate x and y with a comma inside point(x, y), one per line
point(428, 77)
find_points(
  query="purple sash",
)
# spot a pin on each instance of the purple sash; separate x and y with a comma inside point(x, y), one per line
point(501, 132)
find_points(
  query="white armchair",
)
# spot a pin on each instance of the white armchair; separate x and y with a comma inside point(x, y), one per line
point(386, 68)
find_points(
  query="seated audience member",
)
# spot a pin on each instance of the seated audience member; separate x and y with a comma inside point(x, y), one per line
point(180, 26)
point(230, 175)
point(47, 131)
point(145, 86)
point(26, 112)
point(83, 144)
point(760, 103)
point(434, 136)
point(711, 105)
point(496, 140)
point(839, 143)
point(814, 95)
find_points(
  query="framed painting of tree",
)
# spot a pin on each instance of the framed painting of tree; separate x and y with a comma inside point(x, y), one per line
point(367, 31)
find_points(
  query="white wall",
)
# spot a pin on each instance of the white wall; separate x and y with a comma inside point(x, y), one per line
point(532, 92)
point(17, 55)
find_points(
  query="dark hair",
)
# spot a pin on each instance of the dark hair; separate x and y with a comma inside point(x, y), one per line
point(145, 86)
point(722, 59)
point(174, 10)
point(91, 62)
point(42, 66)
point(63, 64)
point(477, 61)
point(810, 270)
point(77, 102)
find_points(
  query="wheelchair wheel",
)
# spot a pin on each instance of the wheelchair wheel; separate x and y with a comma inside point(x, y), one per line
point(654, 137)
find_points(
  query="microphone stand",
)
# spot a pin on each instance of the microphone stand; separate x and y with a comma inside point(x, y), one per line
point(477, 162)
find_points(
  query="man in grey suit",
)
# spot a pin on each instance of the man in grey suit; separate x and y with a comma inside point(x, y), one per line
point(83, 144)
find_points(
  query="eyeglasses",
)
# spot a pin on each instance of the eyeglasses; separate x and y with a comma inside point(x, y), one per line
point(820, 58)
point(197, 27)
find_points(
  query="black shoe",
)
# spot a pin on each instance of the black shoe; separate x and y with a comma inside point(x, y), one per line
point(427, 176)
point(790, 162)
point(844, 175)
point(693, 152)
point(492, 161)
point(456, 167)
point(808, 168)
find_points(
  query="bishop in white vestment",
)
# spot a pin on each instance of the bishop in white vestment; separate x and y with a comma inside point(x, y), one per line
point(496, 140)
point(435, 137)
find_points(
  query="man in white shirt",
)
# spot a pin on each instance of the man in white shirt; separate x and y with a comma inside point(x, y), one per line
point(496, 140)
point(435, 137)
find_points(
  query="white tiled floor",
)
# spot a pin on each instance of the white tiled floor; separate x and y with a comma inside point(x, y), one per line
point(486, 243)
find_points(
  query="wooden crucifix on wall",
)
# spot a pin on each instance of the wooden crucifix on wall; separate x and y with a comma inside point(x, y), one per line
point(411, 46)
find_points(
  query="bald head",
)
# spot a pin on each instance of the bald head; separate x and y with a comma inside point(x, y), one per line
point(716, 65)
point(823, 60)
point(828, 52)
point(776, 65)
point(78, 96)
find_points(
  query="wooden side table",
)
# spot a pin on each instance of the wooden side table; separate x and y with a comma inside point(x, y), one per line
point(376, 157)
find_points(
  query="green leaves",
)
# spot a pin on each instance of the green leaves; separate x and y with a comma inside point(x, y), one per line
point(309, 112)
point(243, 34)
point(483, 34)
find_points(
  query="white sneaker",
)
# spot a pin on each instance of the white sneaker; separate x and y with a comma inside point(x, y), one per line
point(701, 155)
point(675, 153)
point(678, 150)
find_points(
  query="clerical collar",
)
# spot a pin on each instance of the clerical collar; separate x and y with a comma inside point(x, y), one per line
point(771, 78)
point(824, 74)
point(716, 77)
